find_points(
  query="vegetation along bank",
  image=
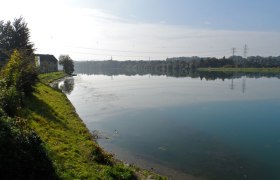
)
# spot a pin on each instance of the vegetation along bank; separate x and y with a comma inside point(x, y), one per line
point(41, 135)
point(57, 143)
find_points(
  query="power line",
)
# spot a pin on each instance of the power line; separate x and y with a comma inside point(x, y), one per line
point(109, 54)
point(88, 54)
point(141, 54)
point(148, 52)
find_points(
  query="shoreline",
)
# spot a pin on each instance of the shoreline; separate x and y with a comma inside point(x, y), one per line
point(147, 163)
point(76, 140)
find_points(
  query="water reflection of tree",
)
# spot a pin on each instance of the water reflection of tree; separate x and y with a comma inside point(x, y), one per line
point(67, 86)
point(172, 73)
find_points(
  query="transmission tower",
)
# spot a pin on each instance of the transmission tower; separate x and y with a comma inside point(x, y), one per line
point(233, 51)
point(245, 51)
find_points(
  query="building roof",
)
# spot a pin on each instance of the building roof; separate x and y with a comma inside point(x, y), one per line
point(47, 57)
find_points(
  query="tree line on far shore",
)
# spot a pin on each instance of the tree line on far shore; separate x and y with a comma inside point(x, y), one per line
point(230, 62)
point(182, 64)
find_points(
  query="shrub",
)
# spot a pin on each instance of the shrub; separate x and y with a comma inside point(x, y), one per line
point(9, 98)
point(119, 172)
point(22, 154)
point(20, 72)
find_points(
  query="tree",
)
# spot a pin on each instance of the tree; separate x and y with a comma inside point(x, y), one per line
point(20, 72)
point(15, 35)
point(67, 63)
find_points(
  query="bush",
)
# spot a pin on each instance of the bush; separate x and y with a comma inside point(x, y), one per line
point(20, 72)
point(119, 172)
point(9, 98)
point(99, 156)
point(22, 155)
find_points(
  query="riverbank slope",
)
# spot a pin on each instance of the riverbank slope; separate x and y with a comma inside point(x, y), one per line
point(70, 146)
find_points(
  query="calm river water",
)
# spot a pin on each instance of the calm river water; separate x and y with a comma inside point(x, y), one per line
point(185, 127)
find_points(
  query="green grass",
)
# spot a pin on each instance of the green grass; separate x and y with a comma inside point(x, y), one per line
point(268, 70)
point(50, 77)
point(70, 145)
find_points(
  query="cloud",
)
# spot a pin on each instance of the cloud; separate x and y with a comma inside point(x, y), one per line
point(207, 22)
point(85, 33)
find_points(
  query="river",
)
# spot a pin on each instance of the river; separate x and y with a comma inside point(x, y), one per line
point(196, 127)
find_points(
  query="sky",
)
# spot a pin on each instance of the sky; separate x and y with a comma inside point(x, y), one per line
point(149, 29)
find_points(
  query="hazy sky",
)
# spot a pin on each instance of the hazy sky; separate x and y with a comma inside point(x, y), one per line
point(139, 29)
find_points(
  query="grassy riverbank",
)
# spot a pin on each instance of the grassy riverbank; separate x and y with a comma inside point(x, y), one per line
point(70, 145)
point(263, 70)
